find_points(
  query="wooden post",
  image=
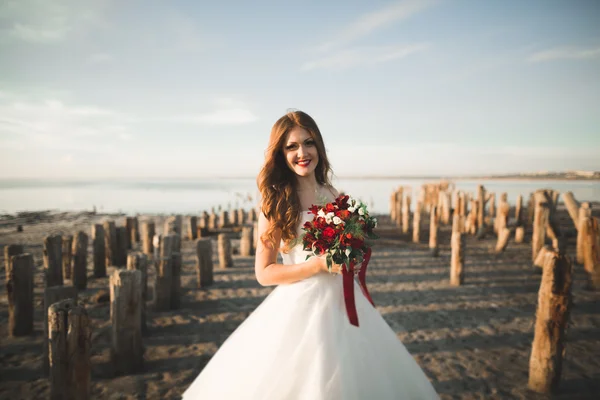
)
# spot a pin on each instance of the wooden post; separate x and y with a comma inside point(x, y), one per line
point(457, 257)
point(542, 255)
point(99, 249)
point(540, 220)
point(572, 207)
point(398, 203)
point(121, 254)
point(9, 251)
point(502, 242)
point(19, 288)
point(241, 216)
point(252, 215)
point(492, 205)
point(416, 237)
point(406, 213)
point(193, 228)
point(480, 208)
point(127, 352)
point(530, 209)
point(173, 225)
point(502, 212)
point(591, 251)
point(148, 232)
point(213, 221)
point(53, 260)
point(164, 275)
point(70, 349)
point(110, 242)
point(129, 232)
point(519, 234)
point(433, 231)
point(446, 201)
point(246, 241)
point(138, 261)
point(223, 219)
point(585, 211)
point(80, 247)
point(393, 206)
point(176, 265)
point(204, 263)
point(53, 295)
point(224, 246)
point(204, 220)
point(519, 211)
point(67, 256)
point(554, 303)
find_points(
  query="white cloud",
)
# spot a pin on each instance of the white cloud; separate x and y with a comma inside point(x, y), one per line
point(363, 56)
point(225, 116)
point(47, 22)
point(565, 53)
point(372, 21)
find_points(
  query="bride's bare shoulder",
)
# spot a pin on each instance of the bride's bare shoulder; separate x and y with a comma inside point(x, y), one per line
point(334, 192)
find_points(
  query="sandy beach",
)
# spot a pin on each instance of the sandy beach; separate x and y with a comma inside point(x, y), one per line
point(472, 341)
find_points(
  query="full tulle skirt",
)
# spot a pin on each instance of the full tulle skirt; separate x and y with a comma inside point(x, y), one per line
point(299, 344)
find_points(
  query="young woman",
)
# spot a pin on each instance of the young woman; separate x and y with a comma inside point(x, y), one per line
point(299, 344)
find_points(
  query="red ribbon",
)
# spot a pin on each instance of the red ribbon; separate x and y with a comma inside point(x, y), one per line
point(348, 282)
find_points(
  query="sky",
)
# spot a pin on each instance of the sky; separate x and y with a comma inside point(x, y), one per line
point(191, 89)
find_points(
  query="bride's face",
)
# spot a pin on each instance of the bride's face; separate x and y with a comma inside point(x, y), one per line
point(300, 152)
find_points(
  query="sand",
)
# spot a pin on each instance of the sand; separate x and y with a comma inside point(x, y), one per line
point(472, 341)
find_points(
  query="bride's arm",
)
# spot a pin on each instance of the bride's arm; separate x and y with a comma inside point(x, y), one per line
point(268, 272)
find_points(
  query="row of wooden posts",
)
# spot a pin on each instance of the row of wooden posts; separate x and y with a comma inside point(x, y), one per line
point(549, 252)
point(67, 330)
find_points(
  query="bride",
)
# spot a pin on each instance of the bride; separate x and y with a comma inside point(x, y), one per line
point(298, 343)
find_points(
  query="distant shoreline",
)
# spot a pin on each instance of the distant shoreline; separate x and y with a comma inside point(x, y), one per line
point(473, 178)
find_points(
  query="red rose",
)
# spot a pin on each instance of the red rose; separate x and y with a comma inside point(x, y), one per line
point(328, 233)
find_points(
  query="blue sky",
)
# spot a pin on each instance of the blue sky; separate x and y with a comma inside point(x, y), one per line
point(190, 89)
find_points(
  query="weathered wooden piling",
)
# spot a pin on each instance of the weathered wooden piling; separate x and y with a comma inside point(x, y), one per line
point(246, 248)
point(99, 249)
point(457, 256)
point(572, 206)
point(406, 213)
point(52, 254)
point(241, 216)
point(164, 274)
point(519, 234)
point(503, 237)
point(585, 211)
point(176, 265)
point(193, 228)
point(225, 255)
point(67, 256)
point(9, 251)
point(553, 308)
point(69, 351)
point(19, 289)
point(393, 207)
point(519, 211)
point(204, 263)
point(540, 220)
point(223, 219)
point(591, 251)
point(80, 249)
point(138, 261)
point(121, 253)
point(53, 295)
point(148, 232)
point(127, 351)
point(110, 242)
point(433, 231)
point(416, 232)
point(398, 203)
point(213, 221)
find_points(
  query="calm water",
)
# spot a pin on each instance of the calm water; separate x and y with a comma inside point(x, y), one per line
point(192, 196)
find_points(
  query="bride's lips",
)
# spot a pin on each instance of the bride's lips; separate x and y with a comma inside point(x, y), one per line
point(303, 163)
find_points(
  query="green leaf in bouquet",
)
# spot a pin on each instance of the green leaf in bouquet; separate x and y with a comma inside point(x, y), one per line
point(329, 262)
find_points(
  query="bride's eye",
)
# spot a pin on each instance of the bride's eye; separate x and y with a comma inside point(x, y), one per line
point(290, 146)
point(310, 142)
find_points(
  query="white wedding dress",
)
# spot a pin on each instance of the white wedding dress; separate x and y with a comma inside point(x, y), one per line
point(299, 344)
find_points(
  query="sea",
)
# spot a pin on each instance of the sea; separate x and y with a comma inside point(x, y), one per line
point(192, 196)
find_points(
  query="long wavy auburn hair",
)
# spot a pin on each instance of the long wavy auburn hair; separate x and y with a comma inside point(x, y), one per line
point(277, 182)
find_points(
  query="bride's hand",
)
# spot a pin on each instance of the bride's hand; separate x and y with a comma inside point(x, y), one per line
point(322, 262)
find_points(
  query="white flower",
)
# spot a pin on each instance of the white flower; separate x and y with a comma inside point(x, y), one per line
point(337, 220)
point(348, 251)
point(327, 219)
point(329, 215)
point(351, 209)
point(375, 220)
point(361, 211)
point(321, 213)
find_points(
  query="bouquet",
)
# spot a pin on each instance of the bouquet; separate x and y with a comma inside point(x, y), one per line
point(342, 230)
